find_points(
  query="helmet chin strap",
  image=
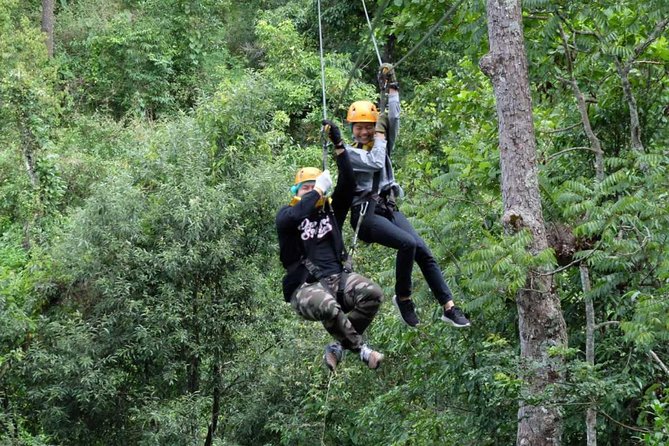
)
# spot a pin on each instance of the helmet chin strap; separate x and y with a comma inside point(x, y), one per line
point(321, 201)
point(367, 145)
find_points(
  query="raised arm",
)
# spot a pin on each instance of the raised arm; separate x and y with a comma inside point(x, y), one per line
point(390, 123)
point(290, 216)
point(394, 111)
point(342, 197)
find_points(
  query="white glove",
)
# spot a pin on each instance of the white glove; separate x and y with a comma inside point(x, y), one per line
point(324, 182)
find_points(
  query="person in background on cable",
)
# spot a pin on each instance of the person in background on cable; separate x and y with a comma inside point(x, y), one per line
point(374, 136)
point(318, 284)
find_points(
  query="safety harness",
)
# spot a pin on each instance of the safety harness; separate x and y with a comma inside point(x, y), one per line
point(380, 198)
point(317, 273)
point(364, 207)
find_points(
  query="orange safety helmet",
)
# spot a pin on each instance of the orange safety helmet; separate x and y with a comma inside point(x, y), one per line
point(304, 174)
point(307, 174)
point(362, 111)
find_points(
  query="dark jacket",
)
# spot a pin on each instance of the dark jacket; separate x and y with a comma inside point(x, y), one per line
point(306, 231)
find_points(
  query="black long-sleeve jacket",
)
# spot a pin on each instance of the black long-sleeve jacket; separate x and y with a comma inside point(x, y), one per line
point(306, 231)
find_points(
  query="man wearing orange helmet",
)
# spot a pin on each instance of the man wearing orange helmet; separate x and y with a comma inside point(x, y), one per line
point(374, 135)
point(318, 284)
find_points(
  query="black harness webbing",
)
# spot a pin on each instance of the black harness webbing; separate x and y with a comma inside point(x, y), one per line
point(318, 274)
point(344, 258)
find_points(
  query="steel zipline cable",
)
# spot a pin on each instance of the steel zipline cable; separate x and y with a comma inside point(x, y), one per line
point(372, 25)
point(361, 52)
point(371, 32)
point(324, 140)
point(436, 26)
point(446, 16)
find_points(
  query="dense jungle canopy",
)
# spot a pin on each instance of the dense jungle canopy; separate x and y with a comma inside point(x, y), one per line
point(146, 146)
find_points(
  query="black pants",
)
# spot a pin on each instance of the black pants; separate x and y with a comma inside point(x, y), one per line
point(396, 232)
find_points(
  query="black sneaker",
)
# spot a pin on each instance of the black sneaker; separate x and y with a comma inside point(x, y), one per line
point(333, 355)
point(370, 357)
point(407, 310)
point(455, 317)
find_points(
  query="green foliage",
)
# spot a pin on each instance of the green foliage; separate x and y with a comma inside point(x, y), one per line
point(294, 70)
point(226, 119)
point(660, 435)
point(407, 22)
point(141, 58)
point(255, 115)
point(132, 68)
point(23, 279)
point(139, 278)
point(161, 268)
point(648, 328)
point(29, 109)
point(14, 188)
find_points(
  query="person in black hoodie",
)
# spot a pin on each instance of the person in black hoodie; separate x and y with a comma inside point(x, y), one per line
point(318, 284)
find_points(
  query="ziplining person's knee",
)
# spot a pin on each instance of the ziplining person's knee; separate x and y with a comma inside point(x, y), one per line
point(315, 303)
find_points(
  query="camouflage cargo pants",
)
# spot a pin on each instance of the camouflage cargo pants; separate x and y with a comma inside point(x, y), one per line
point(345, 320)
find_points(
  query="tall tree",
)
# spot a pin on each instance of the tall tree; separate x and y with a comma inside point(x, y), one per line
point(540, 319)
point(623, 69)
point(47, 24)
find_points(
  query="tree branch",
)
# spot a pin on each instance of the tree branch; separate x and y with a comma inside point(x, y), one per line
point(657, 359)
point(623, 71)
point(536, 17)
point(571, 149)
point(562, 268)
point(563, 129)
point(635, 126)
point(657, 31)
point(604, 324)
point(583, 109)
point(649, 62)
point(626, 426)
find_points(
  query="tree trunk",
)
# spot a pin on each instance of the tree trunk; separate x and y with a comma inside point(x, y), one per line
point(635, 126)
point(47, 24)
point(216, 404)
point(389, 50)
point(623, 70)
point(193, 367)
point(591, 413)
point(583, 110)
point(540, 320)
point(29, 152)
